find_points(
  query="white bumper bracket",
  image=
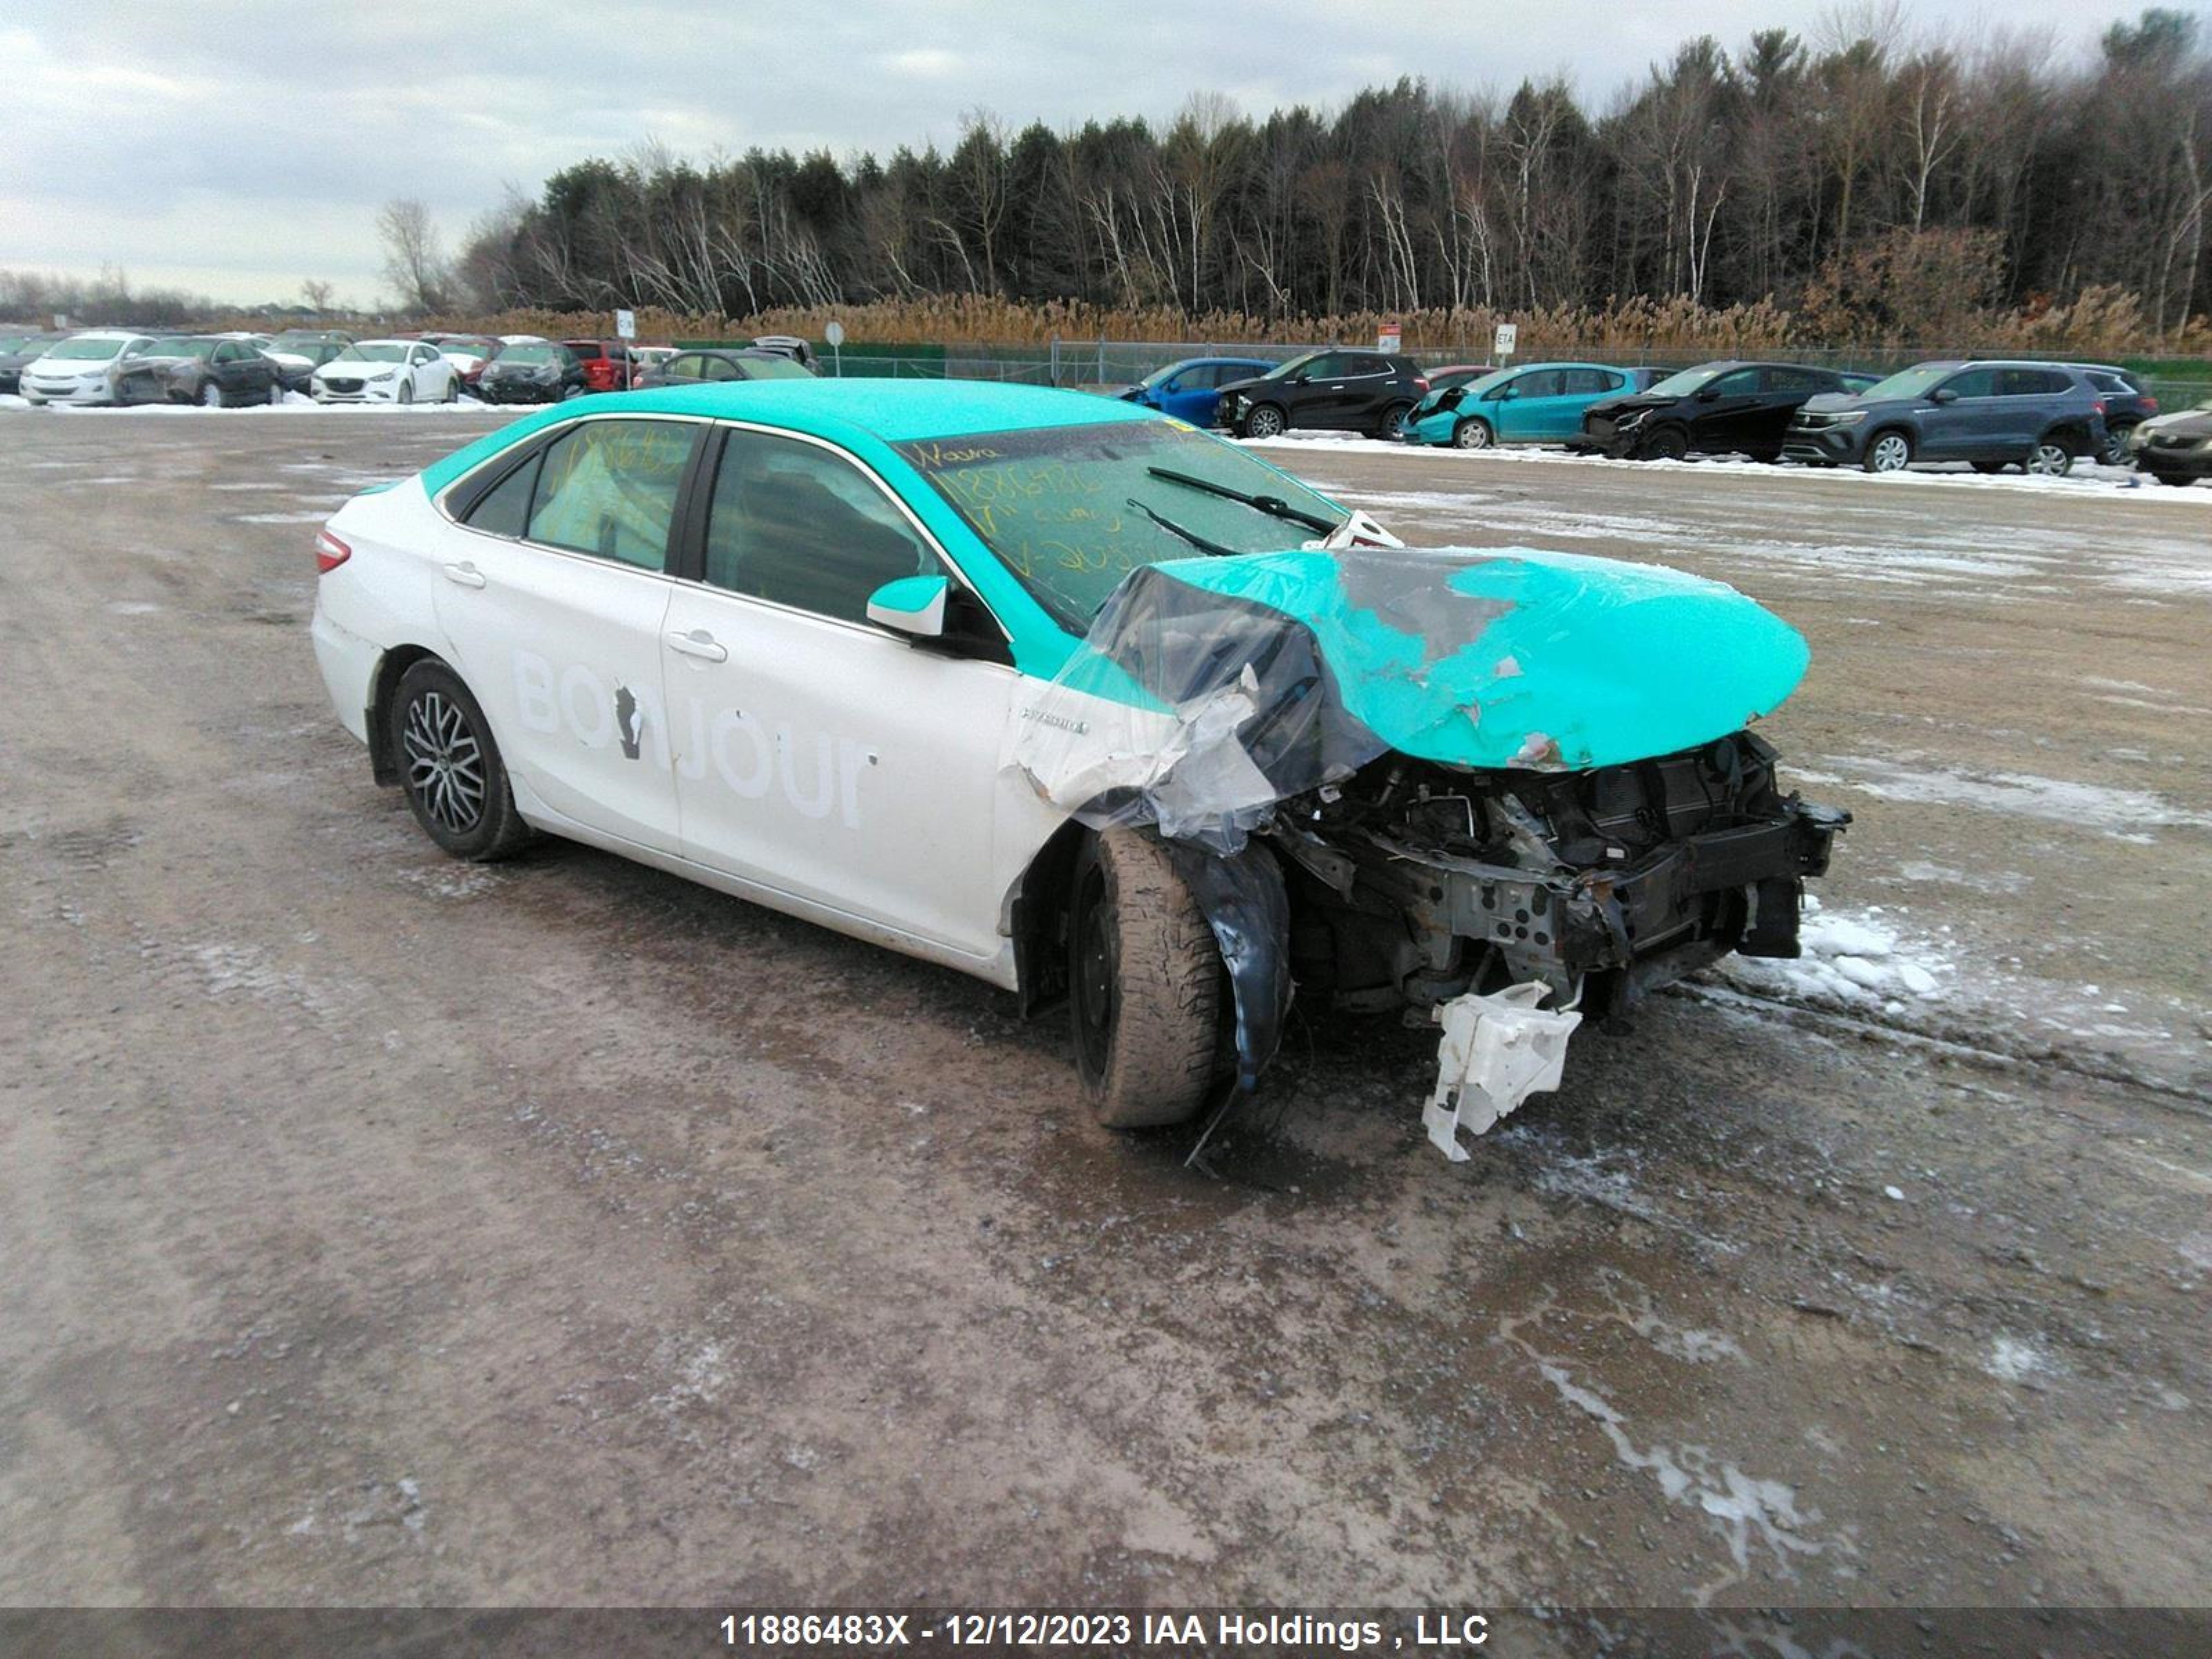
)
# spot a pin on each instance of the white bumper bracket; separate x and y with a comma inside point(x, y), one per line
point(1496, 1051)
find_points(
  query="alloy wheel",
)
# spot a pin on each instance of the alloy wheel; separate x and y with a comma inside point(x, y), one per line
point(1263, 423)
point(1890, 453)
point(444, 762)
point(2051, 460)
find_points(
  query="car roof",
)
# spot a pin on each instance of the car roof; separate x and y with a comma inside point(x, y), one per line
point(859, 415)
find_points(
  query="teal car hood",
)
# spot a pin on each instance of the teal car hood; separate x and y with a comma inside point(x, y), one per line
point(1488, 658)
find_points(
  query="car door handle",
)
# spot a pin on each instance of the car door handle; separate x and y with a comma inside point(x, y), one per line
point(466, 574)
point(699, 643)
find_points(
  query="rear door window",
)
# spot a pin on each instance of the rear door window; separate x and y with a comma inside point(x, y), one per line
point(1578, 382)
point(1737, 383)
point(505, 510)
point(798, 524)
point(1543, 382)
point(1798, 379)
point(608, 488)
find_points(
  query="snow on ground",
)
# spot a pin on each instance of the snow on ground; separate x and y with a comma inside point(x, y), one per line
point(2127, 815)
point(1859, 961)
point(2087, 478)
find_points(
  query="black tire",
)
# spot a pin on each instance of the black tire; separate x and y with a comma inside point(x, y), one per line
point(1473, 433)
point(449, 767)
point(1146, 989)
point(2178, 480)
point(1393, 424)
point(2115, 451)
point(407, 391)
point(1265, 421)
point(1888, 450)
point(1668, 443)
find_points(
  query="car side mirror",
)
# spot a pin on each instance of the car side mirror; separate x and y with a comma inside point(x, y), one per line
point(1943, 394)
point(1709, 395)
point(911, 605)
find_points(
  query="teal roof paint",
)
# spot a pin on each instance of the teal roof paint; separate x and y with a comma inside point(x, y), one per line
point(1559, 660)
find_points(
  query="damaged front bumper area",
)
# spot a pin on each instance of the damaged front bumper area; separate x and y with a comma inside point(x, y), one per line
point(1460, 782)
point(1422, 885)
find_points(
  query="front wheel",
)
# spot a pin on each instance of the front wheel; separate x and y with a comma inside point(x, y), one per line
point(210, 396)
point(450, 767)
point(1265, 421)
point(1890, 452)
point(1668, 443)
point(407, 391)
point(1473, 433)
point(1145, 985)
point(2178, 480)
point(276, 392)
point(2051, 459)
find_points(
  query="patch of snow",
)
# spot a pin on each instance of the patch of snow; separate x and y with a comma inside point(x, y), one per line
point(2125, 814)
point(1859, 961)
point(2013, 1360)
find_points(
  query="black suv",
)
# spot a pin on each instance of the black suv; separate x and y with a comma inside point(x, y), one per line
point(2039, 416)
point(2127, 406)
point(1338, 389)
point(1724, 408)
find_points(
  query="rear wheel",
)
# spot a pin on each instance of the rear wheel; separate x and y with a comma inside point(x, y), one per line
point(1668, 443)
point(1889, 451)
point(1265, 421)
point(1393, 424)
point(2114, 451)
point(1145, 985)
point(2051, 459)
point(450, 767)
point(1473, 433)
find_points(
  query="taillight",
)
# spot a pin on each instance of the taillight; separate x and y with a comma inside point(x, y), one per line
point(2099, 405)
point(329, 553)
point(1420, 383)
point(2150, 405)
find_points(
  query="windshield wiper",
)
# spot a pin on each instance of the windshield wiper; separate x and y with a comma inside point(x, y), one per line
point(1214, 550)
point(1273, 505)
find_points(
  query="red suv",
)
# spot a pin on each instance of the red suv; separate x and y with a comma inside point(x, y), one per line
point(607, 365)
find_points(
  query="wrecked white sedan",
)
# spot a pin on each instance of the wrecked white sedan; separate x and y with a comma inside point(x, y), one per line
point(1078, 700)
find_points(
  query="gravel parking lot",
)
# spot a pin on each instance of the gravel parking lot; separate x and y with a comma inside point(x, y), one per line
point(378, 1229)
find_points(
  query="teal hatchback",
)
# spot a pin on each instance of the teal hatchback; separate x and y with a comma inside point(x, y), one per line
point(1540, 404)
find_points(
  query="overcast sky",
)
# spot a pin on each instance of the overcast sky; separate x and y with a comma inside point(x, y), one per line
point(237, 147)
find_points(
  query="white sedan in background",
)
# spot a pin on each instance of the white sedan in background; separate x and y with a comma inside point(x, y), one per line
point(387, 372)
point(81, 368)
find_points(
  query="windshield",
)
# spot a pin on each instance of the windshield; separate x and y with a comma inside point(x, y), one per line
point(1067, 508)
point(1911, 382)
point(532, 357)
point(1684, 382)
point(1282, 370)
point(180, 346)
point(88, 351)
point(376, 351)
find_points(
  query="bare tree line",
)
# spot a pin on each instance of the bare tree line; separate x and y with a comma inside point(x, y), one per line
point(1721, 177)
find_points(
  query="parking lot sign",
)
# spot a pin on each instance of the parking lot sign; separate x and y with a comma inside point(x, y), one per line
point(626, 324)
point(1387, 336)
point(1507, 333)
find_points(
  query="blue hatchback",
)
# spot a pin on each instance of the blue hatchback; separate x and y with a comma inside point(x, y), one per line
point(1542, 403)
point(1191, 389)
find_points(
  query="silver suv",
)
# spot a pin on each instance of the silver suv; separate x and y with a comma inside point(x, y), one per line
point(2038, 416)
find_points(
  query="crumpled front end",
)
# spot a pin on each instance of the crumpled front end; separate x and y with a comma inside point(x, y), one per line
point(1465, 772)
